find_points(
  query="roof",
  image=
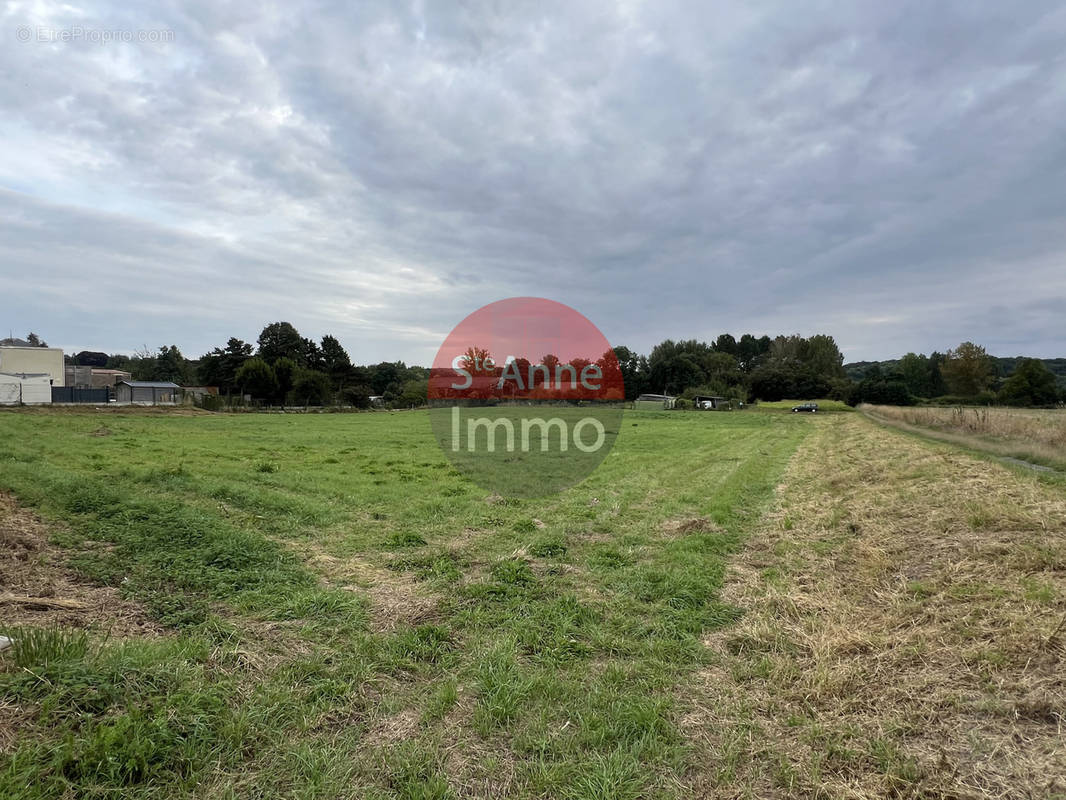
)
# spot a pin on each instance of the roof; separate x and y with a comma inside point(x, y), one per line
point(18, 344)
point(656, 397)
point(101, 371)
point(150, 384)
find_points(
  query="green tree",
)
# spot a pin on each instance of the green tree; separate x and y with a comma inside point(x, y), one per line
point(387, 377)
point(285, 375)
point(752, 352)
point(413, 395)
point(722, 368)
point(937, 386)
point(335, 361)
point(676, 366)
point(116, 361)
point(311, 388)
point(772, 382)
point(1031, 384)
point(725, 343)
point(880, 391)
point(356, 395)
point(35, 340)
point(788, 350)
point(281, 340)
point(171, 365)
point(915, 374)
point(818, 356)
point(823, 358)
point(256, 377)
point(634, 370)
point(311, 356)
point(967, 370)
point(93, 358)
point(219, 367)
point(676, 373)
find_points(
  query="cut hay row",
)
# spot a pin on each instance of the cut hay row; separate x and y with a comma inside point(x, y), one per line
point(1022, 425)
point(903, 631)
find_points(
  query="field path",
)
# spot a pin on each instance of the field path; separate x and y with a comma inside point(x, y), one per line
point(904, 630)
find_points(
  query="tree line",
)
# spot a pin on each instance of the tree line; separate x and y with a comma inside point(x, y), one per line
point(746, 368)
point(284, 367)
point(967, 374)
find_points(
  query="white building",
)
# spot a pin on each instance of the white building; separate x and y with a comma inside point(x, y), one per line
point(25, 389)
point(18, 360)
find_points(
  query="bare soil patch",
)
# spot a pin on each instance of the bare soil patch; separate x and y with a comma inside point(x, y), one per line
point(37, 589)
point(684, 525)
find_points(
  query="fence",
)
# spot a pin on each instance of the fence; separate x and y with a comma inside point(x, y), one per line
point(69, 394)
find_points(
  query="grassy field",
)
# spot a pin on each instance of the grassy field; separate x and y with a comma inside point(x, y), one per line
point(733, 605)
point(1033, 435)
point(341, 614)
point(824, 406)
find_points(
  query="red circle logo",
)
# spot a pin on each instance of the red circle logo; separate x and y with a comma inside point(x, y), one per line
point(526, 396)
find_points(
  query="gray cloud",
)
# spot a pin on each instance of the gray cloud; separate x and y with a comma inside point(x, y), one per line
point(888, 173)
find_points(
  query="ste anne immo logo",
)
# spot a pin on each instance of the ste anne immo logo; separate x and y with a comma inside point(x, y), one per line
point(526, 397)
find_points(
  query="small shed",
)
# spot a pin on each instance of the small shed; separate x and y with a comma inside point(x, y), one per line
point(25, 388)
point(147, 393)
point(654, 402)
point(710, 402)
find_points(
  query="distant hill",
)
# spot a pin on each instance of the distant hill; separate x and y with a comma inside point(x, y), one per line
point(1056, 365)
point(856, 370)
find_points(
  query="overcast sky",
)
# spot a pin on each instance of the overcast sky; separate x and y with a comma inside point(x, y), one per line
point(893, 174)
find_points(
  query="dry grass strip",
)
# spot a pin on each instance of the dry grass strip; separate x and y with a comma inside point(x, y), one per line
point(1024, 433)
point(41, 602)
point(903, 632)
point(1027, 424)
point(396, 598)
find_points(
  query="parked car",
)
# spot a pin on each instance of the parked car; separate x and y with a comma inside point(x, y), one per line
point(810, 407)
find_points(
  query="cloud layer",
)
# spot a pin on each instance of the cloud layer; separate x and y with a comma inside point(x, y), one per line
point(892, 174)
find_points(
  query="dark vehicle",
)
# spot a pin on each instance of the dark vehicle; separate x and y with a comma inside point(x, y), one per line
point(811, 407)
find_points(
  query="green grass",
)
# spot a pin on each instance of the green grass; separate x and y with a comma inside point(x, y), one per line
point(824, 406)
point(559, 630)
